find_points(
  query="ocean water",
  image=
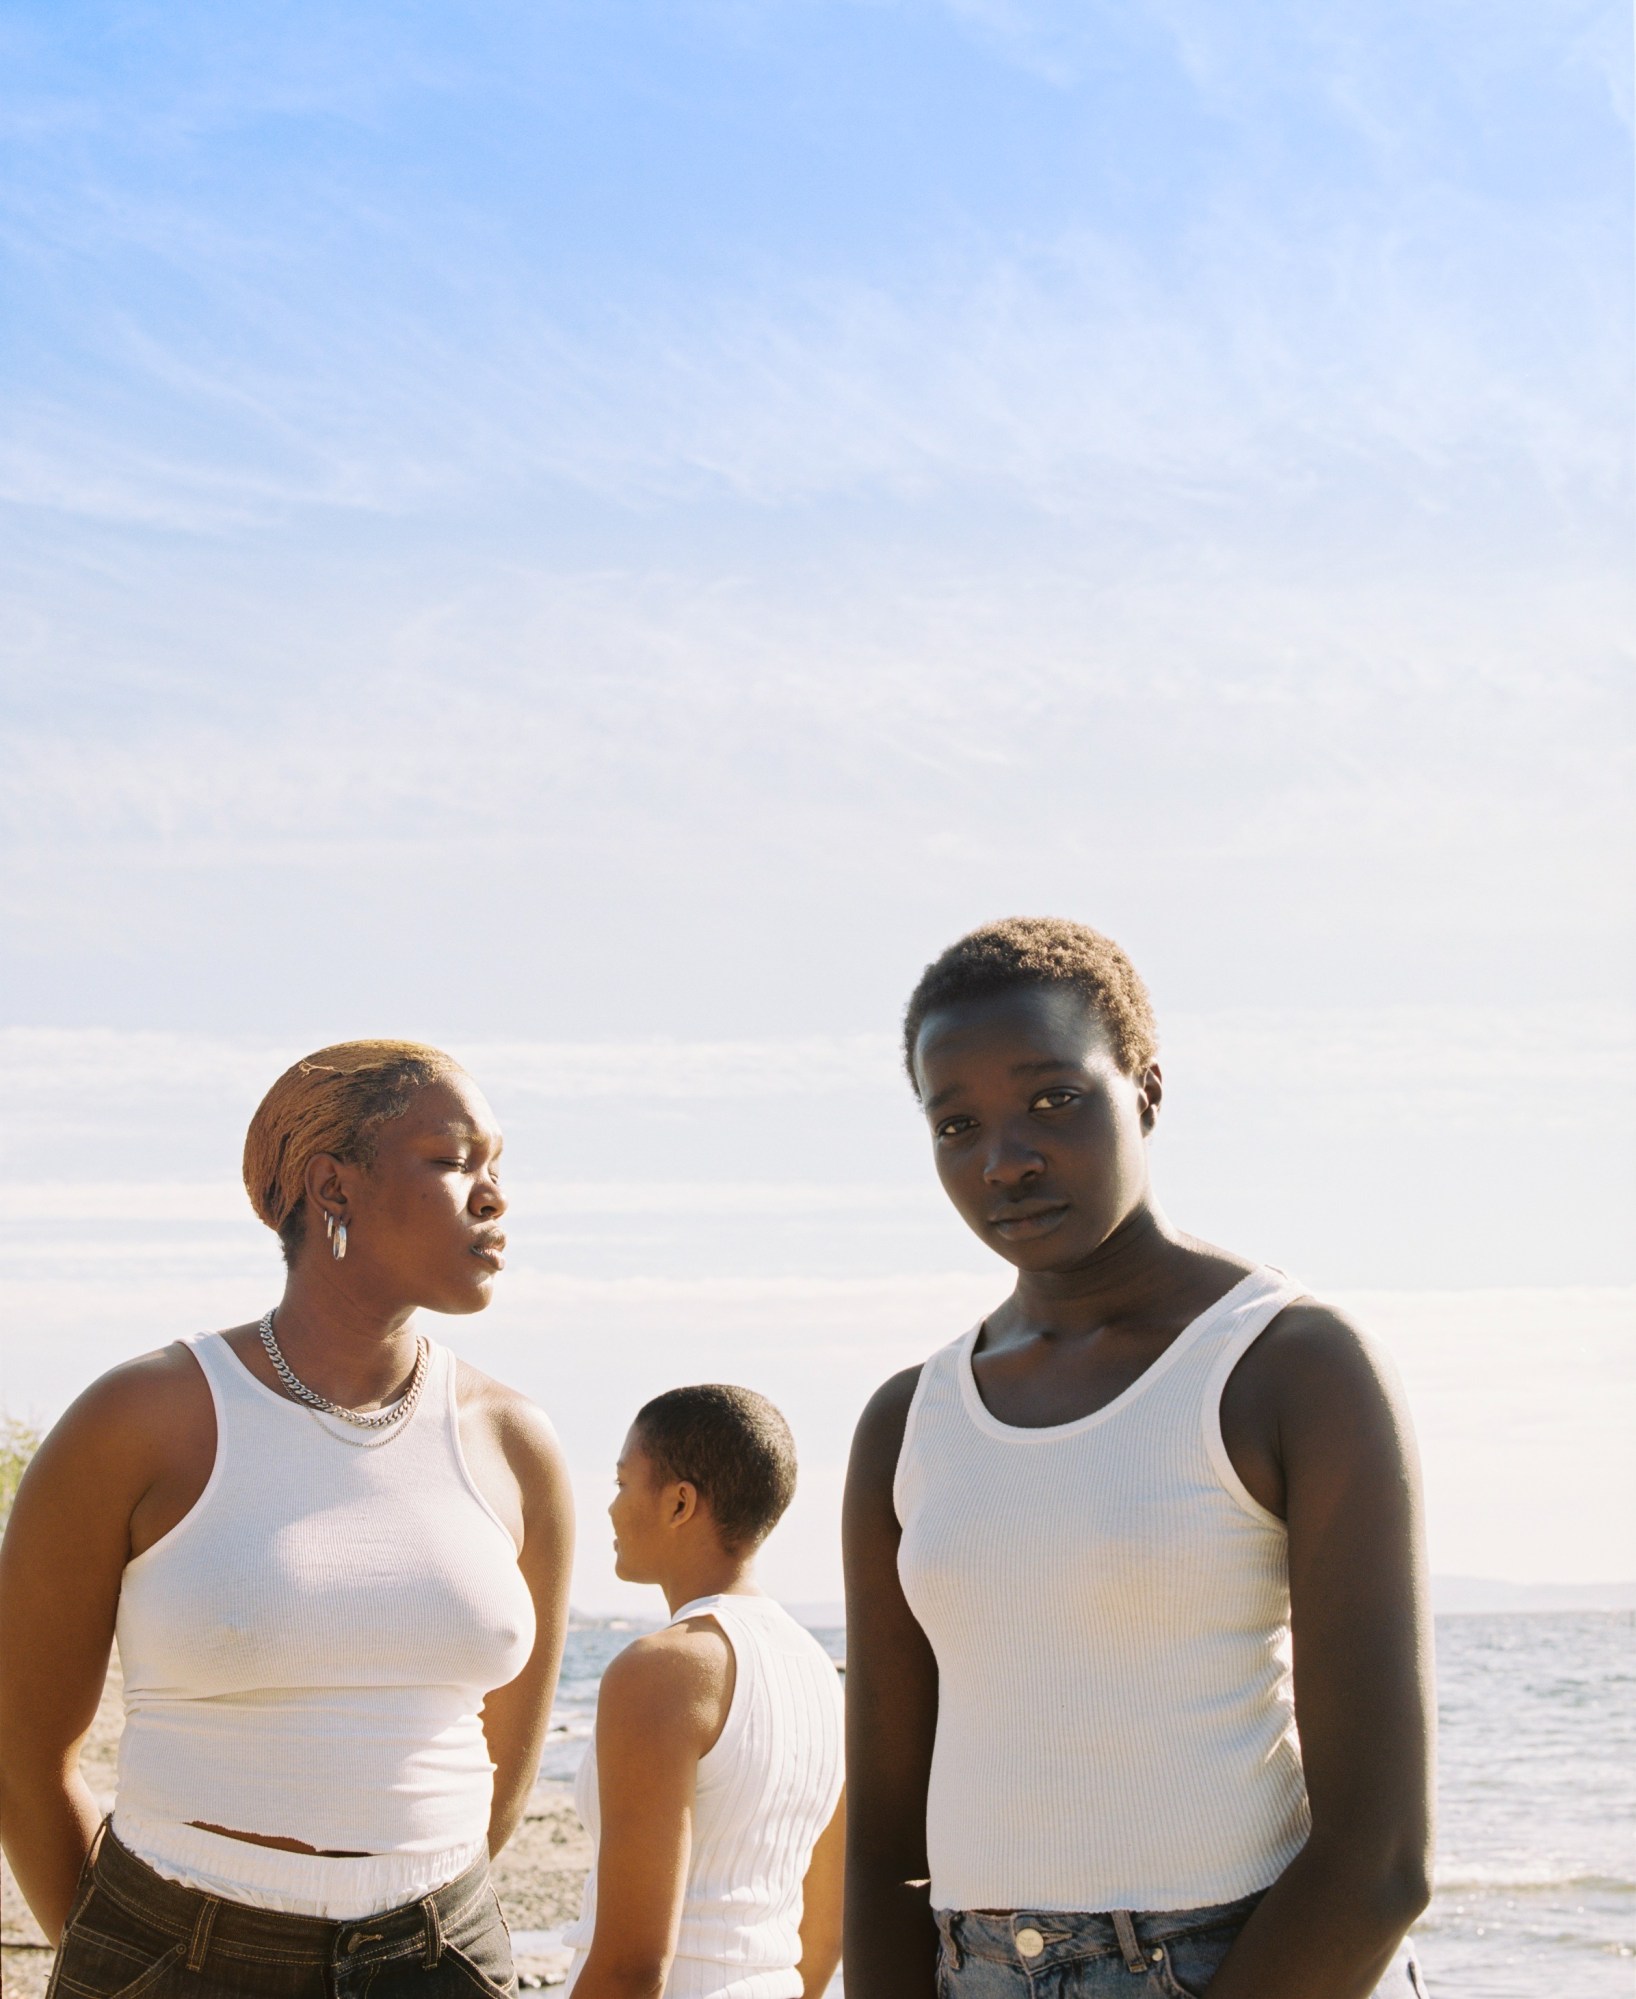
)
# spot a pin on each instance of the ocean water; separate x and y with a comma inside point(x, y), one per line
point(1536, 1859)
point(1536, 1869)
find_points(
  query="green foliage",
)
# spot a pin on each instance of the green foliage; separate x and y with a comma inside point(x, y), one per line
point(18, 1443)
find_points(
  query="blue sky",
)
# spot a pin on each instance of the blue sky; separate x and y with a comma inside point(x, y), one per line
point(603, 535)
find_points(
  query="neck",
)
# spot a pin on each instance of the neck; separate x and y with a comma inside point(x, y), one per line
point(1140, 1257)
point(709, 1572)
point(353, 1349)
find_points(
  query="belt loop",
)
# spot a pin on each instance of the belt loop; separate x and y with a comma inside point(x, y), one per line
point(948, 1924)
point(434, 1933)
point(1125, 1930)
point(201, 1933)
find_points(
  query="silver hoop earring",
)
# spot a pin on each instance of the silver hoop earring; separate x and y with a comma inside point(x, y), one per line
point(337, 1233)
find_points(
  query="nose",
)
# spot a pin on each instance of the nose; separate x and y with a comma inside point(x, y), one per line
point(1011, 1162)
point(487, 1199)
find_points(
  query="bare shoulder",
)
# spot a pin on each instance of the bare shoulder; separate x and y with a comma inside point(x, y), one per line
point(137, 1404)
point(520, 1426)
point(879, 1436)
point(1316, 1349)
point(1315, 1377)
point(675, 1680)
point(148, 1421)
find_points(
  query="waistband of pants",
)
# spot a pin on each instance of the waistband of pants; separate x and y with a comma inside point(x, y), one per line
point(1042, 1938)
point(208, 1923)
point(338, 1887)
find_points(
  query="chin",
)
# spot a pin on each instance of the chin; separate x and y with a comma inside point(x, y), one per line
point(462, 1302)
point(1050, 1253)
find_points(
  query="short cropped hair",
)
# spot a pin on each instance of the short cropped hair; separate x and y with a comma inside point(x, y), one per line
point(732, 1446)
point(1046, 951)
point(332, 1101)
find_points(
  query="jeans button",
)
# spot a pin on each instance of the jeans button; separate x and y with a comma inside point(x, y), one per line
point(1029, 1943)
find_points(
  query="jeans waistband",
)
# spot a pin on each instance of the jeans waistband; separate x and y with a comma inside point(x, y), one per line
point(1044, 1937)
point(210, 1924)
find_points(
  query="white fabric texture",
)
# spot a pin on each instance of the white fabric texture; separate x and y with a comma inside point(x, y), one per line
point(297, 1884)
point(766, 1789)
point(1109, 1610)
point(306, 1653)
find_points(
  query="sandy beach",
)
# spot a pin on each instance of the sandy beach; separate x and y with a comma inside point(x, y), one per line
point(538, 1875)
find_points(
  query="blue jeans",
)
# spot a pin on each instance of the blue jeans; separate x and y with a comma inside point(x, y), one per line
point(1043, 1954)
point(134, 1935)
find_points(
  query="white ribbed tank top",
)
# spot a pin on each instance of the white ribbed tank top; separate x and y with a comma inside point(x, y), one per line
point(767, 1787)
point(306, 1652)
point(1109, 1609)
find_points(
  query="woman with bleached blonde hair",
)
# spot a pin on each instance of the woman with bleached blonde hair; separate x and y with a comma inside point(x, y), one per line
point(335, 1560)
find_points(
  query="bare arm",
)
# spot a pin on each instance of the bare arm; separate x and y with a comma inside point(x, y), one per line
point(1343, 1453)
point(891, 1717)
point(661, 1704)
point(61, 1563)
point(821, 1906)
point(516, 1717)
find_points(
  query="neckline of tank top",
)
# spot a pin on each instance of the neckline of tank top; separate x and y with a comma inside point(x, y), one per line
point(705, 1606)
point(330, 1425)
point(1265, 1275)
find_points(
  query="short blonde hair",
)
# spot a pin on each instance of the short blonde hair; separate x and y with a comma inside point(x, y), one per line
point(331, 1101)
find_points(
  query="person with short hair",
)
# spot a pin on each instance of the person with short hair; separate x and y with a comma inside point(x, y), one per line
point(1139, 1662)
point(713, 1788)
point(336, 1562)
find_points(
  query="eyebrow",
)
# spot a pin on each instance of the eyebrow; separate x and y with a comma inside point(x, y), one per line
point(1036, 1068)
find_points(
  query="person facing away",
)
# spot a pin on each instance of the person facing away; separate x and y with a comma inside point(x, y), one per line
point(336, 1561)
point(1138, 1647)
point(713, 1788)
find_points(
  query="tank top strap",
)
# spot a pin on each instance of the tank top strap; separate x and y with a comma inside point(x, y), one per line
point(1238, 1321)
point(937, 1389)
point(233, 1388)
point(743, 1637)
point(442, 1389)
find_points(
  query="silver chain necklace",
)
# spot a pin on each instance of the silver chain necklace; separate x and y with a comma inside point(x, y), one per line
point(380, 1419)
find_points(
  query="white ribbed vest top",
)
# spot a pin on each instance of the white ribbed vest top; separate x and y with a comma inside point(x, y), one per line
point(1109, 1609)
point(305, 1653)
point(767, 1787)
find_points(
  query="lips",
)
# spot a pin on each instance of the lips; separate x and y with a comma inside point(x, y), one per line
point(1033, 1218)
point(489, 1251)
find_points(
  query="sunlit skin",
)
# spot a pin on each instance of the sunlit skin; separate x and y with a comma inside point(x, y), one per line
point(133, 1455)
point(1040, 1140)
point(662, 1705)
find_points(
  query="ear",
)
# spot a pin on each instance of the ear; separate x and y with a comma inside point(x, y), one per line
point(684, 1503)
point(1150, 1086)
point(326, 1184)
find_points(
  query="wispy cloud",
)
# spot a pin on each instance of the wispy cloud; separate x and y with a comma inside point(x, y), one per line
point(1289, 315)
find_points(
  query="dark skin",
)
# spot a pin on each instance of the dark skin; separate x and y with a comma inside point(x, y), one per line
point(1040, 1140)
point(132, 1456)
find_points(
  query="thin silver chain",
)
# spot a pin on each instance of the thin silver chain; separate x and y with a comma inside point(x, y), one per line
point(380, 1419)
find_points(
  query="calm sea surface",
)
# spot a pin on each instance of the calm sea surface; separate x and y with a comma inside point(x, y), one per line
point(1536, 1874)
